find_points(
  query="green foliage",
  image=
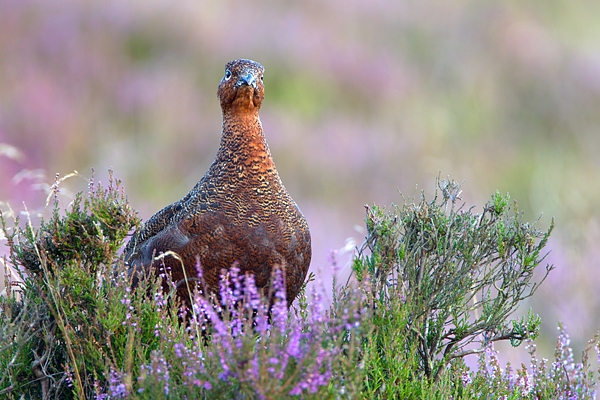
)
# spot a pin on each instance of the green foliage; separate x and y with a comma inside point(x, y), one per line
point(65, 325)
point(432, 282)
point(389, 358)
point(460, 275)
point(76, 329)
point(90, 233)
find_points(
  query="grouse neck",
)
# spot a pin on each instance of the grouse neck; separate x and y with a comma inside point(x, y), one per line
point(243, 143)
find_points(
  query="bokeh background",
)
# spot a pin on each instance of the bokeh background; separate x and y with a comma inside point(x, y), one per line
point(363, 98)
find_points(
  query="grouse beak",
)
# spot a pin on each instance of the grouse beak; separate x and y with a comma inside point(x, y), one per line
point(248, 79)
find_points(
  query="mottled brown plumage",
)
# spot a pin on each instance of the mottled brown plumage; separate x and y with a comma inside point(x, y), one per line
point(239, 211)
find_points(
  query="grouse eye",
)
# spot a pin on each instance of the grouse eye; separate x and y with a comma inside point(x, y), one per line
point(261, 78)
point(227, 75)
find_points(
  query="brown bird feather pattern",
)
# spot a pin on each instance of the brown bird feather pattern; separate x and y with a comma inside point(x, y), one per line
point(239, 211)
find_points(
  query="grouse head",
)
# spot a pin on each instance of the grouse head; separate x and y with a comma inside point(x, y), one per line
point(241, 90)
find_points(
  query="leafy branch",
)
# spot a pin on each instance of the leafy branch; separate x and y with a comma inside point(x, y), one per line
point(461, 275)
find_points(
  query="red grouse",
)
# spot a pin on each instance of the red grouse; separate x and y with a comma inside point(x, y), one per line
point(238, 212)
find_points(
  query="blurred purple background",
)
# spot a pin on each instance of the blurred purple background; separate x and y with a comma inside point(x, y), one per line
point(363, 98)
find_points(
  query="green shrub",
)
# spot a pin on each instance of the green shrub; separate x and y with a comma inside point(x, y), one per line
point(59, 332)
point(76, 329)
point(434, 283)
point(455, 276)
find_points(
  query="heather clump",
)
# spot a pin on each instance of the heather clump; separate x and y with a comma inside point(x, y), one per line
point(432, 284)
point(562, 378)
point(61, 322)
point(243, 344)
point(75, 328)
point(455, 275)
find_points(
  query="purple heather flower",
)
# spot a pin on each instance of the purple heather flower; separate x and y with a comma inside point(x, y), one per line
point(493, 361)
point(316, 377)
point(248, 346)
point(69, 376)
point(98, 390)
point(466, 378)
point(253, 370)
point(332, 258)
point(198, 267)
point(116, 387)
point(317, 315)
point(254, 304)
point(524, 382)
point(253, 297)
point(225, 290)
point(299, 388)
point(179, 348)
point(564, 353)
point(159, 369)
point(293, 345)
point(279, 311)
point(159, 299)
